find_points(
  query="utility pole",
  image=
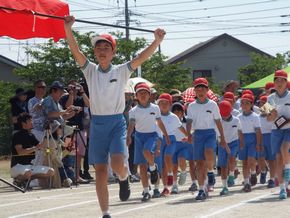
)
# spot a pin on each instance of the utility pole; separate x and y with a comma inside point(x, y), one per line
point(127, 19)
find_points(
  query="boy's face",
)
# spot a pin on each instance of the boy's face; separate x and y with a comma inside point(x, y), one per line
point(246, 105)
point(280, 84)
point(201, 92)
point(143, 97)
point(164, 106)
point(104, 52)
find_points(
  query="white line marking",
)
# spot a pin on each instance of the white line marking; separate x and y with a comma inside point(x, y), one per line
point(64, 206)
point(236, 205)
point(150, 205)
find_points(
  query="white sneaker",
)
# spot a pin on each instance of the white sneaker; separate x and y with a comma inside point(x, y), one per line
point(182, 178)
point(174, 189)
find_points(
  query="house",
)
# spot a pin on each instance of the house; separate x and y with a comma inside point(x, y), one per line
point(6, 69)
point(219, 58)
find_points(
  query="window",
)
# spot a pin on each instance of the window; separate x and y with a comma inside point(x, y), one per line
point(201, 73)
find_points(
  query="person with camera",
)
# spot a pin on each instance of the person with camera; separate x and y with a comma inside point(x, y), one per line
point(24, 146)
point(51, 105)
point(77, 99)
point(35, 109)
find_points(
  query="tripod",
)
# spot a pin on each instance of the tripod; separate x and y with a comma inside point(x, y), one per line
point(14, 186)
point(75, 135)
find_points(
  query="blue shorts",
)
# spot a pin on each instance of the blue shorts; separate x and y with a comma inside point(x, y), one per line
point(203, 139)
point(144, 142)
point(165, 150)
point(190, 155)
point(278, 136)
point(107, 136)
point(181, 151)
point(249, 149)
point(267, 152)
point(223, 156)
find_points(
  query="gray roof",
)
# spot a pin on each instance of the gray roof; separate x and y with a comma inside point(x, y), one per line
point(9, 61)
point(194, 49)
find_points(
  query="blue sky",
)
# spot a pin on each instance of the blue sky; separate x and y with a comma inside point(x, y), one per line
point(256, 22)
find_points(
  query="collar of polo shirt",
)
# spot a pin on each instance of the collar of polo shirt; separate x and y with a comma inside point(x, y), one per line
point(199, 102)
point(105, 70)
point(283, 95)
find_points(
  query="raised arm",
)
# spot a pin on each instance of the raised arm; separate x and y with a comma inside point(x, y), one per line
point(146, 53)
point(78, 55)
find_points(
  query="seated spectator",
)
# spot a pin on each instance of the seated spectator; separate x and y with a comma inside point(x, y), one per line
point(18, 106)
point(24, 145)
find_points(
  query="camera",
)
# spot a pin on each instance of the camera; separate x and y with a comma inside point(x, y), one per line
point(75, 108)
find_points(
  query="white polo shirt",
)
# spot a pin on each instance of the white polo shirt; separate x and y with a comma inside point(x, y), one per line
point(231, 128)
point(145, 118)
point(107, 88)
point(266, 126)
point(282, 105)
point(171, 123)
point(178, 134)
point(250, 123)
point(203, 116)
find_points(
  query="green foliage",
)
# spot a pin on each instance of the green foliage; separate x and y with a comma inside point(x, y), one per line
point(6, 92)
point(166, 76)
point(260, 67)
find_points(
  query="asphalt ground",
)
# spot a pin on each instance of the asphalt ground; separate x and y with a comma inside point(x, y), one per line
point(82, 202)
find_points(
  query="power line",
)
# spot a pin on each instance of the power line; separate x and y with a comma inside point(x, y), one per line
point(222, 15)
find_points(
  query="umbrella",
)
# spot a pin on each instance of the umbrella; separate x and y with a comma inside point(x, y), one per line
point(22, 19)
point(189, 95)
point(132, 82)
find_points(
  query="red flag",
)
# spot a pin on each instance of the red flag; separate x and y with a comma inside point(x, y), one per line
point(22, 23)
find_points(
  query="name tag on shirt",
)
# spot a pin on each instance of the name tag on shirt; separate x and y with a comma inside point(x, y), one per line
point(113, 80)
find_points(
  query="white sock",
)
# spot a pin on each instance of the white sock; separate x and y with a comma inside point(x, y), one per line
point(193, 181)
point(232, 173)
point(174, 183)
point(170, 174)
point(183, 172)
point(123, 179)
point(210, 171)
point(201, 187)
point(156, 186)
point(273, 178)
point(152, 168)
point(253, 172)
point(264, 171)
point(224, 182)
point(246, 181)
point(106, 213)
point(146, 190)
point(287, 166)
point(282, 186)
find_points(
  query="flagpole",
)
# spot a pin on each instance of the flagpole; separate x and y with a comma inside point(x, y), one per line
point(83, 21)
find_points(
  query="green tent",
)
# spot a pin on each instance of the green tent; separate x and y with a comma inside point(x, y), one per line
point(261, 83)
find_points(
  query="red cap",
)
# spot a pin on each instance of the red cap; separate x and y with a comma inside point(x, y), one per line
point(248, 97)
point(229, 96)
point(165, 97)
point(225, 108)
point(281, 74)
point(247, 91)
point(142, 86)
point(269, 85)
point(104, 37)
point(263, 98)
point(200, 81)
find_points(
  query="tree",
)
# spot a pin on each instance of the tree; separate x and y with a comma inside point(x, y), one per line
point(260, 67)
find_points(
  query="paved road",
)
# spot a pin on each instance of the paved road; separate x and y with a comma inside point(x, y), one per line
point(81, 202)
